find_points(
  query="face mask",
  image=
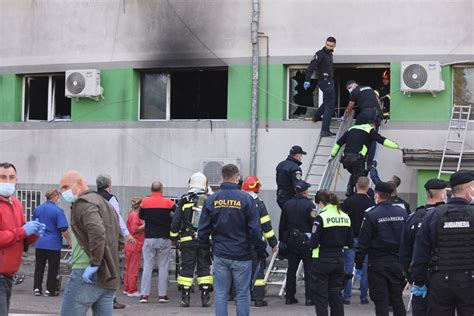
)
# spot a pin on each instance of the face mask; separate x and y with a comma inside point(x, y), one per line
point(68, 196)
point(350, 90)
point(7, 189)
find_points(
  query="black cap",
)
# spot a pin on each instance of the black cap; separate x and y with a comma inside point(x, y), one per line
point(435, 184)
point(350, 82)
point(460, 177)
point(384, 187)
point(302, 186)
point(297, 150)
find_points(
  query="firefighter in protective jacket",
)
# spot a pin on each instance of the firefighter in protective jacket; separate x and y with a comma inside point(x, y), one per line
point(251, 185)
point(184, 225)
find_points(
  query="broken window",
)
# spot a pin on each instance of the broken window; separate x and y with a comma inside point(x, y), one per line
point(301, 103)
point(184, 94)
point(45, 99)
point(463, 85)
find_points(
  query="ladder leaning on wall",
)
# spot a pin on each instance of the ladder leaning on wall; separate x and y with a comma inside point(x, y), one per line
point(455, 139)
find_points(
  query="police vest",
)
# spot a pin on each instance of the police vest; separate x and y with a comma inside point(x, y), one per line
point(332, 218)
point(455, 243)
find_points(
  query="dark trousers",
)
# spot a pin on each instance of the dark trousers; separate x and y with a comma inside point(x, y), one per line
point(329, 103)
point(327, 283)
point(386, 282)
point(5, 294)
point(282, 197)
point(293, 262)
point(419, 306)
point(193, 258)
point(355, 164)
point(450, 291)
point(53, 258)
point(258, 276)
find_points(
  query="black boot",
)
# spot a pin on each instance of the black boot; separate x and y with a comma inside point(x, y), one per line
point(205, 297)
point(185, 297)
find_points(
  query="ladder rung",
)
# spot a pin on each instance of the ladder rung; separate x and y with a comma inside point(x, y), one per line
point(318, 164)
point(455, 141)
point(447, 172)
point(278, 271)
point(452, 156)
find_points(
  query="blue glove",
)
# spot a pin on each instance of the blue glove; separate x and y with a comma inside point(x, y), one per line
point(306, 85)
point(32, 227)
point(42, 228)
point(358, 274)
point(282, 245)
point(420, 291)
point(89, 273)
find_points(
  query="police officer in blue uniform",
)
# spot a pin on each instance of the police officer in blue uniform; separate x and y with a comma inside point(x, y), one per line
point(322, 61)
point(379, 238)
point(366, 100)
point(296, 222)
point(331, 232)
point(288, 173)
point(435, 195)
point(232, 218)
point(444, 252)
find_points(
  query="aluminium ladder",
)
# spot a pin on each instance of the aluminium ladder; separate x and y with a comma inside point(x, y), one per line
point(320, 175)
point(455, 139)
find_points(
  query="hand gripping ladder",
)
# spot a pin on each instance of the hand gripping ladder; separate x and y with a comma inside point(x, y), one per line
point(454, 145)
point(320, 174)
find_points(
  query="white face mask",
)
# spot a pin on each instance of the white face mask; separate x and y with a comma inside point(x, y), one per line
point(350, 90)
point(7, 189)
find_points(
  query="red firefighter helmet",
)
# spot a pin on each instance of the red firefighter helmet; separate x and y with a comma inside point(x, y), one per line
point(386, 75)
point(251, 183)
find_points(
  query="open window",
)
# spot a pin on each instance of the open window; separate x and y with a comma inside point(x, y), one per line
point(463, 86)
point(44, 98)
point(302, 103)
point(184, 94)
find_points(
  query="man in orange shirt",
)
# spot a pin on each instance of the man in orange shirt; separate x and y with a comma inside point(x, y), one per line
point(13, 232)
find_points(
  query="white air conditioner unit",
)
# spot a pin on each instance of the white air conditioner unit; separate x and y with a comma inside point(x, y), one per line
point(421, 76)
point(212, 169)
point(83, 83)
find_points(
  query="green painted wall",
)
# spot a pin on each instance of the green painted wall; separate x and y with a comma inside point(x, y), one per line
point(423, 176)
point(10, 98)
point(240, 92)
point(420, 106)
point(120, 101)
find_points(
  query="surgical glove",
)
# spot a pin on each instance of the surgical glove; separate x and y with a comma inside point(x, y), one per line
point(306, 85)
point(42, 228)
point(32, 227)
point(89, 273)
point(358, 274)
point(420, 291)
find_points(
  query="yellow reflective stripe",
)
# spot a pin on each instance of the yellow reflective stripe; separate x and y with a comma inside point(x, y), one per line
point(269, 234)
point(315, 253)
point(332, 217)
point(187, 205)
point(390, 144)
point(206, 280)
point(259, 282)
point(185, 281)
point(264, 219)
point(187, 238)
point(365, 127)
point(364, 150)
point(335, 150)
point(173, 234)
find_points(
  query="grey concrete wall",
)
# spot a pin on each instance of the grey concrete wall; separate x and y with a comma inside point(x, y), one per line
point(52, 32)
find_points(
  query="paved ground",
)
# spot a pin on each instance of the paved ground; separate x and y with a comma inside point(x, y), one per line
point(24, 303)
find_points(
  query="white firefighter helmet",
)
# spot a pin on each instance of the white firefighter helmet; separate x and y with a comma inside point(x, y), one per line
point(198, 180)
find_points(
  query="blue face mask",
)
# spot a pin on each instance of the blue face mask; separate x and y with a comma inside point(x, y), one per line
point(68, 196)
point(7, 189)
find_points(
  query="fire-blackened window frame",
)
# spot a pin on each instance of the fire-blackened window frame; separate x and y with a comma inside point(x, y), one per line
point(183, 94)
point(49, 99)
point(463, 86)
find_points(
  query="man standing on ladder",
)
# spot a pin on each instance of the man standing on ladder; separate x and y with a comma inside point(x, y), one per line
point(322, 61)
point(357, 140)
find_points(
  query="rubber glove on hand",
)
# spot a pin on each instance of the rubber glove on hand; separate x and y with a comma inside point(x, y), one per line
point(306, 85)
point(42, 228)
point(420, 291)
point(89, 273)
point(32, 227)
point(358, 274)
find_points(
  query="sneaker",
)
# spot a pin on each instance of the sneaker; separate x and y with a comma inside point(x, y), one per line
point(125, 293)
point(346, 302)
point(117, 305)
point(163, 299)
point(327, 134)
point(48, 293)
point(136, 294)
point(363, 302)
point(37, 292)
point(144, 299)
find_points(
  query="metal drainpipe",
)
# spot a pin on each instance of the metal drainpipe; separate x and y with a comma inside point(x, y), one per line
point(262, 35)
point(255, 63)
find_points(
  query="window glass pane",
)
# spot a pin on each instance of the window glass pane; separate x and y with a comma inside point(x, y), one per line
point(36, 98)
point(153, 96)
point(463, 90)
point(299, 96)
point(62, 104)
